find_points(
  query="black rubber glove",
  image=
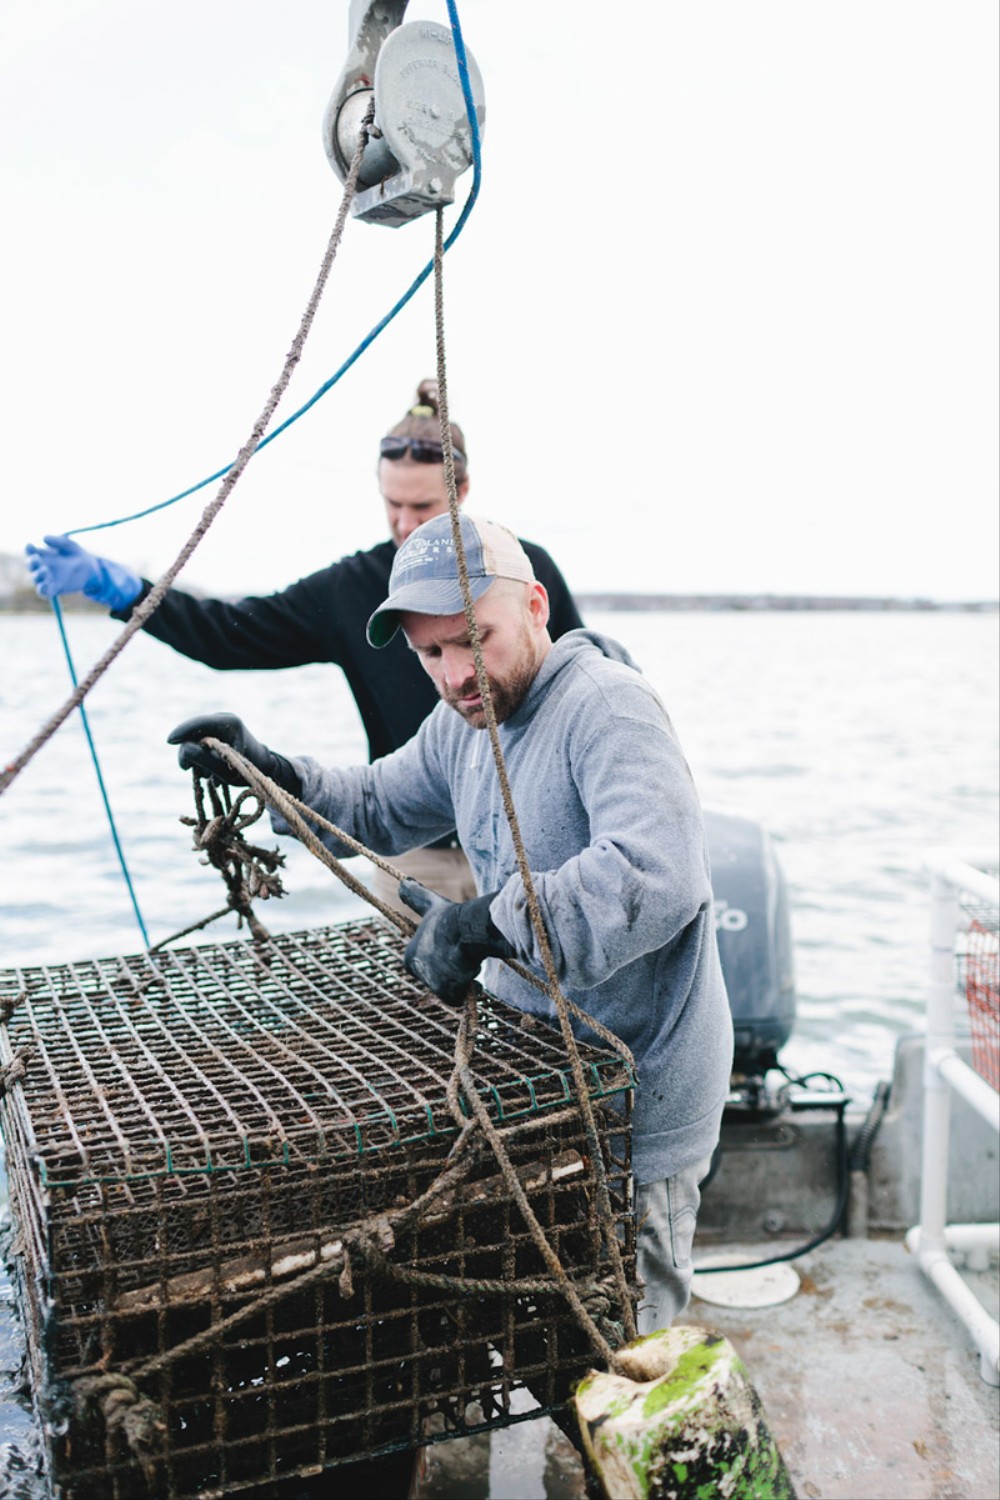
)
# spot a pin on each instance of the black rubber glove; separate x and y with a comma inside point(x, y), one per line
point(193, 756)
point(448, 948)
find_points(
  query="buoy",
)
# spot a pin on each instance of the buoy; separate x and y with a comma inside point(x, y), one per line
point(683, 1422)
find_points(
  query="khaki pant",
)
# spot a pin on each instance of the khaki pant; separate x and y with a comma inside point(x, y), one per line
point(666, 1213)
point(445, 871)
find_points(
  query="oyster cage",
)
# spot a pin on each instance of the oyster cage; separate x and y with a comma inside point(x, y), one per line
point(212, 1153)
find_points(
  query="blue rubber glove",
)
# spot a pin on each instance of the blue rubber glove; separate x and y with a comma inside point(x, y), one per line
point(193, 756)
point(448, 948)
point(63, 567)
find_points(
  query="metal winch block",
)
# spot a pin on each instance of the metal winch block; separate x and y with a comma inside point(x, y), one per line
point(215, 1157)
point(422, 140)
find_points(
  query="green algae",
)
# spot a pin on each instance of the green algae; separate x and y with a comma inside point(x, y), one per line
point(691, 1368)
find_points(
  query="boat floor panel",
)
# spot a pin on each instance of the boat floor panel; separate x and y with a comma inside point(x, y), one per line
point(870, 1384)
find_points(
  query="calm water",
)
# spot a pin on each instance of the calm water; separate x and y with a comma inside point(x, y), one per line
point(858, 740)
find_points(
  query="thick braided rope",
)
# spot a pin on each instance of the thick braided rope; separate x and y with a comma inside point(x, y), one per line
point(126, 1410)
point(303, 820)
point(463, 1054)
point(370, 1240)
point(289, 807)
point(155, 596)
point(538, 925)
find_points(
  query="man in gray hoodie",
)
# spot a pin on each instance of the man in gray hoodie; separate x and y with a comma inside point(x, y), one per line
point(613, 832)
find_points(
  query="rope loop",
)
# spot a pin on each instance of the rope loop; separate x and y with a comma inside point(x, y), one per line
point(128, 1413)
point(248, 871)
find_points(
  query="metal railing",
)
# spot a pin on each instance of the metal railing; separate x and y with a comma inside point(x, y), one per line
point(954, 884)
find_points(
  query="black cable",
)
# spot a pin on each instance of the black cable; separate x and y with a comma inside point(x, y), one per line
point(862, 1148)
point(844, 1178)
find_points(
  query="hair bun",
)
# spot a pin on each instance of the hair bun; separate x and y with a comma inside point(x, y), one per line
point(427, 397)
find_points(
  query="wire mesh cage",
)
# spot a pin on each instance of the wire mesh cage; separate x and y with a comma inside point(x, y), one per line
point(979, 979)
point(251, 1241)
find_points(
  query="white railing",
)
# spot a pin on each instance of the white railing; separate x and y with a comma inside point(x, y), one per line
point(934, 1241)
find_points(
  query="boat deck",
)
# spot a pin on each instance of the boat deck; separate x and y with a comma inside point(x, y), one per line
point(870, 1385)
point(871, 1388)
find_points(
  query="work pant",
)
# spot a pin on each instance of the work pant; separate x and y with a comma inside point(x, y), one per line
point(446, 871)
point(666, 1213)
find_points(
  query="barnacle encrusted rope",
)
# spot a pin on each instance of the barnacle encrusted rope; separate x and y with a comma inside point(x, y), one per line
point(538, 925)
point(155, 596)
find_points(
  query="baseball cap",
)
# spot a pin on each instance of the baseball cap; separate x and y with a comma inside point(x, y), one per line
point(424, 578)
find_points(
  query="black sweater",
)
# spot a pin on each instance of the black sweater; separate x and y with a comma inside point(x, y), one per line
point(323, 618)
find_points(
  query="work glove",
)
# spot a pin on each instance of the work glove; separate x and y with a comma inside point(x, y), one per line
point(62, 567)
point(448, 948)
point(193, 756)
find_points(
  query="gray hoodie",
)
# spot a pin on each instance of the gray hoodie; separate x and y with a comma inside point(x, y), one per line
point(614, 837)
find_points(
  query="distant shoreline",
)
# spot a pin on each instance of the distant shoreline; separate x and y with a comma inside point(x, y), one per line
point(29, 603)
point(23, 601)
point(759, 603)
point(17, 596)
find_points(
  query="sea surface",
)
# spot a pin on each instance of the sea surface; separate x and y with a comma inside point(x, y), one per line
point(860, 740)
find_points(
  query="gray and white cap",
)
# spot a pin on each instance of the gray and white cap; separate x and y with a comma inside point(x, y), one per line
point(424, 578)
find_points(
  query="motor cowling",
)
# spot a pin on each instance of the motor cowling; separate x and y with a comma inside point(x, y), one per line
point(753, 928)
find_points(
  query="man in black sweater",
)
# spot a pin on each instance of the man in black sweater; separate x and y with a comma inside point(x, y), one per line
point(322, 617)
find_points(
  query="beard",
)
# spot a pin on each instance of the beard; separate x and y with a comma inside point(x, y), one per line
point(507, 692)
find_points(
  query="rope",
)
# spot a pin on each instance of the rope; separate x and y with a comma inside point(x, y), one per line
point(534, 910)
point(383, 323)
point(247, 870)
point(360, 1238)
point(127, 1411)
point(375, 1235)
point(14, 1071)
point(9, 1004)
point(153, 599)
point(463, 1052)
point(303, 819)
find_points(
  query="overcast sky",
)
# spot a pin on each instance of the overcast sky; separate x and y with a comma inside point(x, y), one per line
point(725, 318)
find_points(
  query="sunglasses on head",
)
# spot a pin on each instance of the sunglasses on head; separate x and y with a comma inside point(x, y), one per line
point(421, 450)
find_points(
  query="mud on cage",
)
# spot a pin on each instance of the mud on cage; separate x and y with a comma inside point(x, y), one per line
point(214, 1156)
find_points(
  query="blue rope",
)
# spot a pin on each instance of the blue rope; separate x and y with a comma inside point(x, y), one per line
point(366, 342)
point(100, 777)
point(372, 335)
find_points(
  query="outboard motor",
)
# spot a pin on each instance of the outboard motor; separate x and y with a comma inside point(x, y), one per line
point(755, 940)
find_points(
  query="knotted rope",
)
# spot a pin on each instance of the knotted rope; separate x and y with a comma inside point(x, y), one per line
point(299, 819)
point(152, 601)
point(248, 871)
point(128, 1412)
point(304, 820)
point(296, 814)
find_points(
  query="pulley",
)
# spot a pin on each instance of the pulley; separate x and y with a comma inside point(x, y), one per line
point(422, 140)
